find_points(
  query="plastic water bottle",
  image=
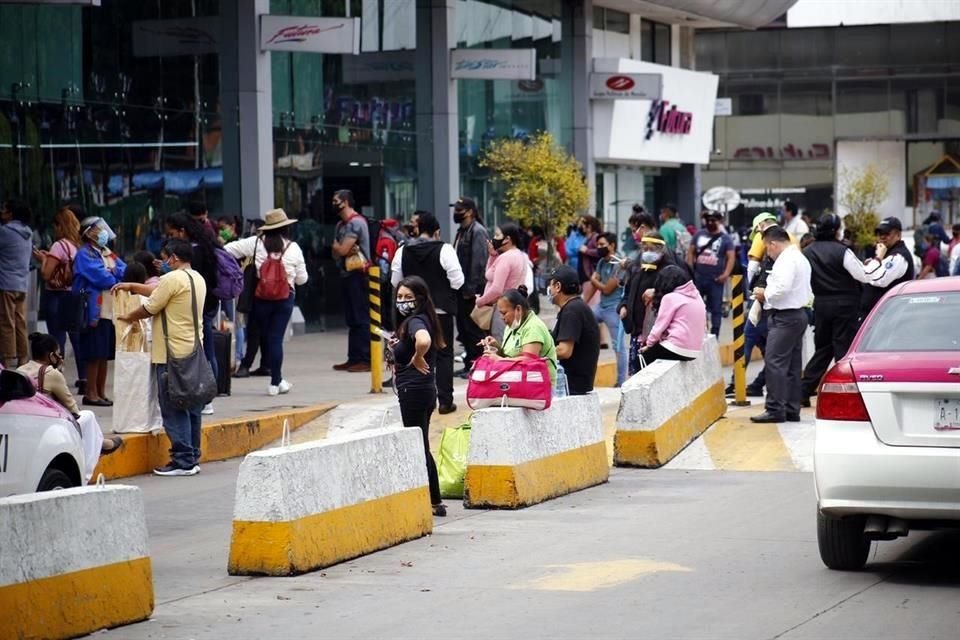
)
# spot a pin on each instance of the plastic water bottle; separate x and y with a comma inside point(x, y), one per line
point(560, 389)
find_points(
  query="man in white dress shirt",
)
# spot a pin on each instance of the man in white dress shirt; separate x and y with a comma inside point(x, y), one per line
point(793, 222)
point(787, 292)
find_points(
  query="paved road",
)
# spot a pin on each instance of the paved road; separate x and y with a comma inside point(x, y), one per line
point(652, 554)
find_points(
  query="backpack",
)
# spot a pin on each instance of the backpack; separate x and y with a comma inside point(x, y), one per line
point(229, 276)
point(683, 243)
point(273, 284)
point(62, 276)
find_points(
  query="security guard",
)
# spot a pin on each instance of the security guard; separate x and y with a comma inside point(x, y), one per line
point(892, 265)
point(836, 277)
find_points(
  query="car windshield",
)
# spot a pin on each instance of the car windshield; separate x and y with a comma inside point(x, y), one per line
point(922, 322)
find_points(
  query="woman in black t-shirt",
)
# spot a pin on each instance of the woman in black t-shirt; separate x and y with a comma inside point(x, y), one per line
point(415, 346)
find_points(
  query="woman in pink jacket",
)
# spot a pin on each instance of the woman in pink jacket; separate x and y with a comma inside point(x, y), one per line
point(680, 327)
point(506, 269)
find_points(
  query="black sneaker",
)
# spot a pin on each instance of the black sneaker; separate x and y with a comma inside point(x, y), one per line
point(730, 391)
point(754, 392)
point(242, 372)
point(170, 469)
point(447, 409)
point(440, 510)
point(260, 373)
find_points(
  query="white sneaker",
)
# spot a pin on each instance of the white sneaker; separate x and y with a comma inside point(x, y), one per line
point(207, 410)
point(284, 386)
point(273, 390)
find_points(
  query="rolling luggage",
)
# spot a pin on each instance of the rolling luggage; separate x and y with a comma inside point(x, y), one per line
point(222, 348)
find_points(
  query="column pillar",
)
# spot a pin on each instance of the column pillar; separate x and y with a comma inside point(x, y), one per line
point(578, 18)
point(247, 105)
point(438, 160)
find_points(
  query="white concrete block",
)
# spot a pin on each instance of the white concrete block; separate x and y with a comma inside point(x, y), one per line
point(514, 436)
point(352, 418)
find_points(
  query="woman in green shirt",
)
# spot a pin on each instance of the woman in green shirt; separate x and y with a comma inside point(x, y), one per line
point(525, 333)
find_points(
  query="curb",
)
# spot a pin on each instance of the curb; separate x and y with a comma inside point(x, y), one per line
point(220, 440)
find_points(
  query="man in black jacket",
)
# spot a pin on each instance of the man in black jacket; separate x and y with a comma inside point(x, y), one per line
point(471, 246)
point(436, 262)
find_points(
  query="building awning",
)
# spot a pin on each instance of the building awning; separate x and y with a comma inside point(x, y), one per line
point(707, 13)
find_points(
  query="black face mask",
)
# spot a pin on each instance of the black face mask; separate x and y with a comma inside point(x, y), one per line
point(603, 252)
point(497, 243)
point(459, 216)
point(712, 226)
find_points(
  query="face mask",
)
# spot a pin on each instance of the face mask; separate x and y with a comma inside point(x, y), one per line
point(516, 319)
point(551, 296)
point(650, 257)
point(103, 237)
point(226, 235)
point(712, 226)
point(165, 267)
point(603, 252)
point(459, 216)
point(55, 361)
point(497, 243)
point(406, 307)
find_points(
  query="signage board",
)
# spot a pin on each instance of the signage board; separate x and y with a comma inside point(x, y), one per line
point(493, 64)
point(315, 35)
point(179, 37)
point(625, 86)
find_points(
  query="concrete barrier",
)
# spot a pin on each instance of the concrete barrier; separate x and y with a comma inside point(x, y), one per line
point(666, 405)
point(73, 562)
point(312, 505)
point(520, 457)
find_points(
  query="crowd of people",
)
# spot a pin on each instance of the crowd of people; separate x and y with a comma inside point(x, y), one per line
point(652, 293)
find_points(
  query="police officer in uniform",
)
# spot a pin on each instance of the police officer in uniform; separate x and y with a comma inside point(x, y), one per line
point(892, 265)
point(836, 278)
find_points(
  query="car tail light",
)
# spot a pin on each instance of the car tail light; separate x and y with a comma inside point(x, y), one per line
point(839, 396)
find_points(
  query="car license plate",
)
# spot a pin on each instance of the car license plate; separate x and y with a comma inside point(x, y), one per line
point(947, 416)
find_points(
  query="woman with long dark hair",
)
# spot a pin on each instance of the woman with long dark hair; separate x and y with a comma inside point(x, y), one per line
point(185, 227)
point(679, 329)
point(415, 347)
point(272, 247)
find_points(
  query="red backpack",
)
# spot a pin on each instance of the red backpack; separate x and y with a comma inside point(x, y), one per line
point(272, 283)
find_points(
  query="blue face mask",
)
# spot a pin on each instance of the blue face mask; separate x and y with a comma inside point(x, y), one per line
point(650, 257)
point(164, 267)
point(103, 237)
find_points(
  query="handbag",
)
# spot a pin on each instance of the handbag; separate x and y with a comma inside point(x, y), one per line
point(482, 316)
point(356, 262)
point(190, 380)
point(62, 275)
point(510, 383)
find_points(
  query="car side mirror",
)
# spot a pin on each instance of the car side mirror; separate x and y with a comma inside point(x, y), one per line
point(15, 386)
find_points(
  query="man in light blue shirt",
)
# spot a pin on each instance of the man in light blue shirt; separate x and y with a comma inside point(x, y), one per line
point(16, 248)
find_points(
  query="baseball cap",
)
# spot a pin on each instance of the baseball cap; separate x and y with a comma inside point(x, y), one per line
point(566, 276)
point(464, 204)
point(708, 213)
point(762, 217)
point(889, 224)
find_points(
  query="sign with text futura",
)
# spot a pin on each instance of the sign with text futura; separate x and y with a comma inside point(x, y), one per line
point(314, 35)
point(493, 64)
point(625, 86)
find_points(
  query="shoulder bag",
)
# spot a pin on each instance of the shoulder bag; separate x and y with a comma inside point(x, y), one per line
point(250, 280)
point(190, 380)
point(510, 383)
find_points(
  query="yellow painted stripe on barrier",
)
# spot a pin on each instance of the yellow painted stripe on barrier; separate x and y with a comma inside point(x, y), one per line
point(220, 440)
point(657, 447)
point(513, 486)
point(324, 539)
point(736, 444)
point(606, 375)
point(375, 300)
point(77, 603)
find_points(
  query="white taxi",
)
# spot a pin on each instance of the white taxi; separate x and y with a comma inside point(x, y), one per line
point(40, 446)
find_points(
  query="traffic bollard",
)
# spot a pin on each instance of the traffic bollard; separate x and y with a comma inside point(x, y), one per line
point(739, 355)
point(376, 341)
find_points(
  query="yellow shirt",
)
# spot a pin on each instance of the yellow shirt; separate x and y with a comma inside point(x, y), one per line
point(172, 296)
point(758, 251)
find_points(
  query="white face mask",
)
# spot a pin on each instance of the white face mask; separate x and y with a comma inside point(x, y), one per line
point(516, 321)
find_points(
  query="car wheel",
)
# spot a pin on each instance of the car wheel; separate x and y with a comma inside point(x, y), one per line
point(843, 547)
point(54, 479)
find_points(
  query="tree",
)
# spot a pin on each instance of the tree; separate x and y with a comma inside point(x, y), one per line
point(545, 184)
point(862, 191)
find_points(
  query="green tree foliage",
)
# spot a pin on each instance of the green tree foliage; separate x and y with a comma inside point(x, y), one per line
point(862, 191)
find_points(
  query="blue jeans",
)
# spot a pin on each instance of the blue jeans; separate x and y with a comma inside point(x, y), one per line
point(182, 425)
point(273, 316)
point(611, 318)
point(57, 327)
point(712, 292)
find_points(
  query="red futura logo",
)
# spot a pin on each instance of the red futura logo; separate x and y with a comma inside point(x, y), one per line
point(299, 33)
point(667, 120)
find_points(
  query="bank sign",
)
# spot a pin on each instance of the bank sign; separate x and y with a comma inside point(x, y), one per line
point(493, 64)
point(625, 86)
point(314, 35)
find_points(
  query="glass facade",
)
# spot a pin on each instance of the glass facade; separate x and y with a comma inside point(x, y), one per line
point(89, 115)
point(494, 109)
point(797, 92)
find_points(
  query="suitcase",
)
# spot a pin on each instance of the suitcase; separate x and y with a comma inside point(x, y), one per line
point(222, 348)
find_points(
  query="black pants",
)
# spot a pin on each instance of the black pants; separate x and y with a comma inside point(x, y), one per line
point(468, 331)
point(256, 340)
point(660, 352)
point(835, 325)
point(784, 360)
point(416, 408)
point(356, 311)
point(445, 362)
